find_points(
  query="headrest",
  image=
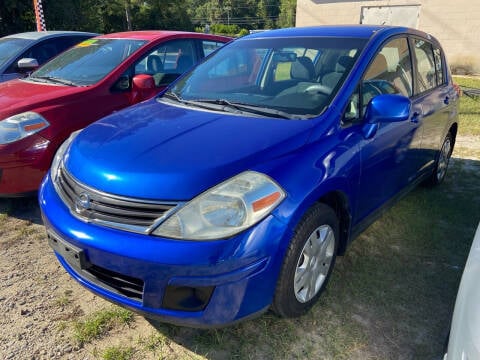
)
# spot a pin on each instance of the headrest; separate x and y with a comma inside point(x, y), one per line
point(302, 69)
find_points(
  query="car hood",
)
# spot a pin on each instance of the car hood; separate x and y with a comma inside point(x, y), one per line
point(19, 95)
point(158, 151)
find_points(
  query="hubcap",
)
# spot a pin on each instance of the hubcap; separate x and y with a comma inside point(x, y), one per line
point(443, 159)
point(314, 263)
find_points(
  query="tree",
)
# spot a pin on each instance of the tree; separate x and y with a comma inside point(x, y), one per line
point(16, 16)
point(164, 14)
point(105, 16)
point(287, 13)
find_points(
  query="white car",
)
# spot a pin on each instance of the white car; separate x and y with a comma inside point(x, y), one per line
point(464, 342)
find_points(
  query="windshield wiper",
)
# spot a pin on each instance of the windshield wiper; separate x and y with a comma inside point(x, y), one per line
point(225, 105)
point(173, 96)
point(255, 109)
point(53, 79)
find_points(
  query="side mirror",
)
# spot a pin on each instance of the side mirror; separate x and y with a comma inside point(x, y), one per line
point(27, 64)
point(143, 82)
point(143, 88)
point(385, 109)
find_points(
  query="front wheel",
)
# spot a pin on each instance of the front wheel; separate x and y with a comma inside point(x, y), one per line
point(308, 262)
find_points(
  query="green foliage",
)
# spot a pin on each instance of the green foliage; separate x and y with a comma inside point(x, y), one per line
point(288, 10)
point(232, 16)
point(100, 323)
point(117, 353)
point(469, 108)
point(223, 29)
point(243, 32)
point(16, 16)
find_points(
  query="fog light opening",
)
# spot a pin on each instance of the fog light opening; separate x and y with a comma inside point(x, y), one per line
point(185, 298)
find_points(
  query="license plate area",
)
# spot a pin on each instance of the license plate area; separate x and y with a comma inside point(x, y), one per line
point(73, 255)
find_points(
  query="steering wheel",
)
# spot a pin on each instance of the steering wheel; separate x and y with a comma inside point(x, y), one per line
point(318, 89)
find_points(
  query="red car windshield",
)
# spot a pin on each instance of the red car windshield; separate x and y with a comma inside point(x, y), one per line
point(88, 62)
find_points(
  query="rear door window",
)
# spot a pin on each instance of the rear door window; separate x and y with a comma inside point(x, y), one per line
point(209, 46)
point(425, 61)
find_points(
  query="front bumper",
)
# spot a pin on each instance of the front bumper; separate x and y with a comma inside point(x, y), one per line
point(192, 283)
point(23, 165)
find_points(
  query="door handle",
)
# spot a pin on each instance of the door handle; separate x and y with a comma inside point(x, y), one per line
point(415, 117)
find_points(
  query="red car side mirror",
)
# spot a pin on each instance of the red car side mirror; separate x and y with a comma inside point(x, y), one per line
point(143, 88)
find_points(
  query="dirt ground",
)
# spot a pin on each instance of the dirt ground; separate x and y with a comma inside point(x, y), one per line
point(39, 301)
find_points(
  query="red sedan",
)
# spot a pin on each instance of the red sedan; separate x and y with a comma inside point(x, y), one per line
point(87, 82)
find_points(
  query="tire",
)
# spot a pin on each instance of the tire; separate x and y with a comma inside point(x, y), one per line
point(308, 262)
point(441, 163)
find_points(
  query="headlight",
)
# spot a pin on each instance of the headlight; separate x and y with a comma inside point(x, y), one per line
point(58, 158)
point(224, 210)
point(20, 126)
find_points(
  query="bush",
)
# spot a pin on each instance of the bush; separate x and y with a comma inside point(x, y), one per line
point(223, 29)
point(465, 66)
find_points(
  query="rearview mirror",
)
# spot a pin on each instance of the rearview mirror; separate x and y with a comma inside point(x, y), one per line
point(284, 56)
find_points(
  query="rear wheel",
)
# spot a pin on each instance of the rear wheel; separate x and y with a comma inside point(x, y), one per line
point(308, 262)
point(443, 159)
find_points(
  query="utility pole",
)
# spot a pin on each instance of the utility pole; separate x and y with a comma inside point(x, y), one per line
point(128, 15)
point(228, 9)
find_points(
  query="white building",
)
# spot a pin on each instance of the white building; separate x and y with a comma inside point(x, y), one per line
point(456, 24)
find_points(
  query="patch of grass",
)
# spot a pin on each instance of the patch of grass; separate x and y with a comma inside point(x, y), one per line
point(154, 342)
point(62, 326)
point(27, 229)
point(465, 152)
point(117, 353)
point(469, 108)
point(65, 299)
point(100, 323)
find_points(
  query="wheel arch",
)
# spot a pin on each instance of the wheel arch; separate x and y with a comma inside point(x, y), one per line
point(338, 201)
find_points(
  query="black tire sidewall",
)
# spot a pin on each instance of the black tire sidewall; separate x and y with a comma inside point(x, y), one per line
point(285, 302)
point(434, 180)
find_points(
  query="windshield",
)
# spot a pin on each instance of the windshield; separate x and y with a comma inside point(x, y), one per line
point(285, 77)
point(9, 47)
point(88, 62)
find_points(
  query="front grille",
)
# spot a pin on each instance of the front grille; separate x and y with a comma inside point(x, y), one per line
point(85, 203)
point(119, 283)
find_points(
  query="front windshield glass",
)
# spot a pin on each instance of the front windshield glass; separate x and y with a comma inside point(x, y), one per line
point(88, 62)
point(291, 77)
point(9, 48)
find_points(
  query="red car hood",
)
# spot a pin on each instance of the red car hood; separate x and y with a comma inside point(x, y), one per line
point(17, 96)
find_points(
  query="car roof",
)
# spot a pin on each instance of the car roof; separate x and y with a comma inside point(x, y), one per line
point(37, 35)
point(153, 35)
point(358, 31)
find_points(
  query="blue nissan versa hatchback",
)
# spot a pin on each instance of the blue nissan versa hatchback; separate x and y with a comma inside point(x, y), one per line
point(234, 190)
